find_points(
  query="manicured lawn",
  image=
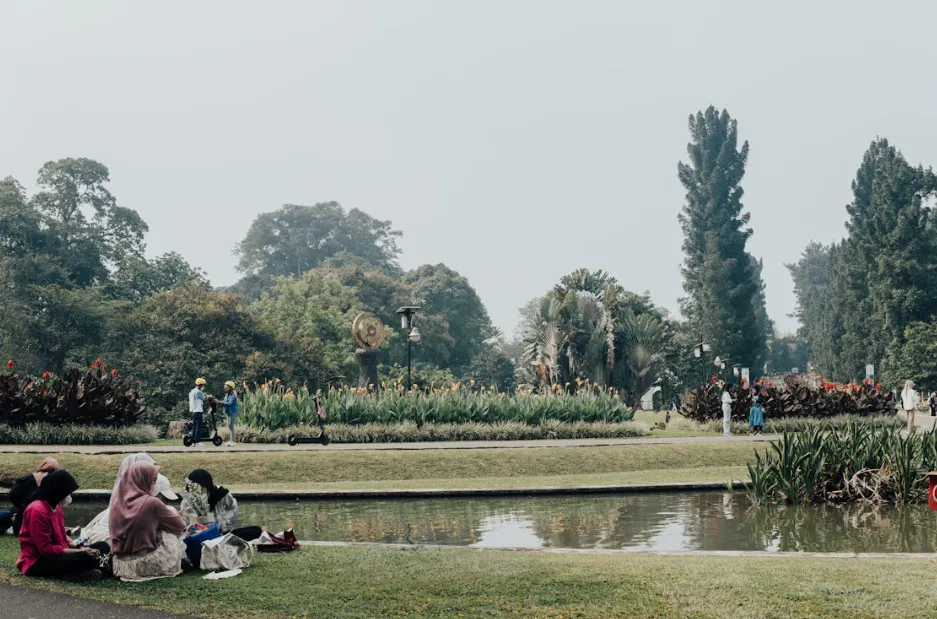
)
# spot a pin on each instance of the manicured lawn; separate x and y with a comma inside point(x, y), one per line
point(463, 468)
point(368, 582)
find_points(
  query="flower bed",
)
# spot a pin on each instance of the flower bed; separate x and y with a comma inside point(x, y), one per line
point(408, 431)
point(273, 406)
point(797, 398)
point(95, 397)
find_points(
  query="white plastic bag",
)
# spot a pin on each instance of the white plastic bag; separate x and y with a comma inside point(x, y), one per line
point(227, 552)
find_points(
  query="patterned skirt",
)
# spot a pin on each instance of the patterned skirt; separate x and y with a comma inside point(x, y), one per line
point(163, 562)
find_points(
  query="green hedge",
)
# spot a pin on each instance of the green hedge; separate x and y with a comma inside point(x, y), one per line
point(409, 432)
point(48, 434)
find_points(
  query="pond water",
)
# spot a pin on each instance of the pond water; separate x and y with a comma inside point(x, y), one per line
point(658, 521)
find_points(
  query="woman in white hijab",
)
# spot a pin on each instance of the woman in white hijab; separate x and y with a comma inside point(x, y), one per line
point(98, 530)
point(909, 402)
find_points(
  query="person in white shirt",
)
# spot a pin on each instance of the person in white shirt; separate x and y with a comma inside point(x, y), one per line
point(196, 408)
point(726, 410)
point(909, 402)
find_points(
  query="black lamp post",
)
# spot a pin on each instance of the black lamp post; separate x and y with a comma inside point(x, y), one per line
point(699, 351)
point(407, 316)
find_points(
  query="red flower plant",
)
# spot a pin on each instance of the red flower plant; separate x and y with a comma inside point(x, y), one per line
point(46, 375)
point(114, 372)
point(97, 363)
point(10, 364)
point(715, 380)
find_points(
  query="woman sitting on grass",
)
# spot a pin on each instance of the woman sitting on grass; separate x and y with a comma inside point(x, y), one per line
point(204, 502)
point(98, 529)
point(45, 549)
point(146, 534)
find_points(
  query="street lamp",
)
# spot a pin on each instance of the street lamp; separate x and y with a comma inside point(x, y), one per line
point(699, 351)
point(407, 315)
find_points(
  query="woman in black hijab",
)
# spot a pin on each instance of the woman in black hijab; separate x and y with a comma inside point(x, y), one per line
point(45, 549)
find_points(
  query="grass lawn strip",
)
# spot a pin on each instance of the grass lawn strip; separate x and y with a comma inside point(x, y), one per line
point(374, 582)
point(415, 467)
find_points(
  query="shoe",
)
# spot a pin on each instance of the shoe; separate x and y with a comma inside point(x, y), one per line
point(230, 443)
point(86, 576)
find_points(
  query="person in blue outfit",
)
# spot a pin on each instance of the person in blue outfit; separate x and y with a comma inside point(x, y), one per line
point(230, 404)
point(756, 418)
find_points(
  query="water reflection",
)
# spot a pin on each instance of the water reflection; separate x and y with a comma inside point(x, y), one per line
point(684, 521)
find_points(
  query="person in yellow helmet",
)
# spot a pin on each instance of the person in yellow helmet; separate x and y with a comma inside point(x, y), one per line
point(197, 399)
point(230, 403)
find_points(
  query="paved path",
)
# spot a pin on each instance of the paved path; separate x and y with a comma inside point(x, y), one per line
point(248, 447)
point(26, 603)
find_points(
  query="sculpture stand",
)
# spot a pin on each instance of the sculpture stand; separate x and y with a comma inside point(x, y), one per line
point(367, 368)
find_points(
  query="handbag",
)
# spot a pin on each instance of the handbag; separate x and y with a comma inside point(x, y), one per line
point(282, 542)
point(193, 542)
point(228, 552)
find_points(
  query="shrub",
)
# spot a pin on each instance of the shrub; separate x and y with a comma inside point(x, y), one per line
point(795, 399)
point(855, 462)
point(408, 431)
point(49, 434)
point(97, 397)
point(274, 406)
point(799, 424)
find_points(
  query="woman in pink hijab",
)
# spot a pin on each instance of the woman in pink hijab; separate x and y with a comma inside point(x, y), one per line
point(146, 534)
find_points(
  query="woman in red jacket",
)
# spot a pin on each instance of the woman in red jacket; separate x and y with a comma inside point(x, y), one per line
point(45, 549)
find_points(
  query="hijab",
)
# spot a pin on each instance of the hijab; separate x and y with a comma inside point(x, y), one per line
point(125, 466)
point(56, 486)
point(133, 520)
point(215, 493)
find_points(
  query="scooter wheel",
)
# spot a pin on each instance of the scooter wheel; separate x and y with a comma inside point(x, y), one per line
point(291, 440)
point(187, 440)
point(325, 439)
point(216, 441)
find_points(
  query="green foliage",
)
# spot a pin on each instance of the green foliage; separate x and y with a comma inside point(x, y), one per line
point(273, 406)
point(452, 319)
point(312, 317)
point(296, 239)
point(725, 294)
point(857, 298)
point(855, 462)
point(96, 397)
point(916, 358)
point(176, 336)
point(409, 432)
point(52, 434)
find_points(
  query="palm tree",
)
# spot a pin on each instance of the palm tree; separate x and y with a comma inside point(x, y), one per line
point(644, 341)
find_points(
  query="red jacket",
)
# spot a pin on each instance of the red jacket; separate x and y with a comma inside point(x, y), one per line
point(41, 535)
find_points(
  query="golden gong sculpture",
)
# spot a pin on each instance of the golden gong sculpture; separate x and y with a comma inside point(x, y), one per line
point(369, 335)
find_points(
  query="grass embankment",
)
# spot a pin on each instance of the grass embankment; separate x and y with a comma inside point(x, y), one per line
point(434, 468)
point(368, 582)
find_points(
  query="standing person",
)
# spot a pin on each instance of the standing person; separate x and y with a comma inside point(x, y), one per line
point(45, 550)
point(197, 399)
point(932, 403)
point(756, 418)
point(146, 534)
point(726, 410)
point(909, 402)
point(25, 490)
point(230, 404)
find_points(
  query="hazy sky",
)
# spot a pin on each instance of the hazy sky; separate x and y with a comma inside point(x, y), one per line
point(514, 141)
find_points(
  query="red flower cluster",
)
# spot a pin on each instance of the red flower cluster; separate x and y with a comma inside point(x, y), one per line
point(97, 363)
point(114, 372)
point(715, 380)
point(10, 364)
point(46, 375)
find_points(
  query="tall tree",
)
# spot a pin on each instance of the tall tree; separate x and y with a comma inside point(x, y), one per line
point(453, 319)
point(296, 239)
point(720, 278)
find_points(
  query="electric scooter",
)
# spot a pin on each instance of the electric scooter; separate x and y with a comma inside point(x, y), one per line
point(212, 427)
point(322, 438)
